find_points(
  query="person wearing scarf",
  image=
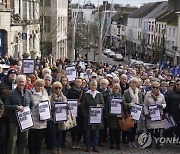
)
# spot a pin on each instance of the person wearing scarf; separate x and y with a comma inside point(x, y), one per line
point(154, 97)
point(131, 96)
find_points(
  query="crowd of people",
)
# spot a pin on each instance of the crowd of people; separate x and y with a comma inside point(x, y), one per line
point(96, 84)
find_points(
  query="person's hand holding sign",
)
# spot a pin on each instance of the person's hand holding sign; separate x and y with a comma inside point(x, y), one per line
point(20, 108)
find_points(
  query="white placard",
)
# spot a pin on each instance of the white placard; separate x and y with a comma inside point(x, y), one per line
point(73, 106)
point(95, 115)
point(28, 66)
point(154, 113)
point(116, 106)
point(44, 110)
point(60, 113)
point(169, 122)
point(25, 119)
point(136, 111)
point(71, 73)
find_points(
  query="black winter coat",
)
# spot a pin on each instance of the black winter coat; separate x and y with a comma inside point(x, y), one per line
point(172, 99)
point(112, 120)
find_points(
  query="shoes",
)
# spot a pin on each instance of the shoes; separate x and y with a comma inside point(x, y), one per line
point(73, 145)
point(118, 147)
point(77, 145)
point(59, 151)
point(87, 149)
point(112, 147)
point(129, 145)
point(95, 150)
point(134, 145)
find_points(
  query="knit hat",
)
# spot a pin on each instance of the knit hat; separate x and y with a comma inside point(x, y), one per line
point(11, 71)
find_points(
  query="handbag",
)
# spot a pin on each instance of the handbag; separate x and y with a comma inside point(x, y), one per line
point(70, 123)
point(126, 122)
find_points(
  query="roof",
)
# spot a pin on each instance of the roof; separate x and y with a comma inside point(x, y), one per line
point(167, 16)
point(144, 10)
point(162, 7)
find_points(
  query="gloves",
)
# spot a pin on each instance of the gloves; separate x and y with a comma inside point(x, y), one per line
point(147, 116)
point(159, 106)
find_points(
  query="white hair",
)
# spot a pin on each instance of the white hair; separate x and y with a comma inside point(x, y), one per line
point(21, 77)
point(46, 71)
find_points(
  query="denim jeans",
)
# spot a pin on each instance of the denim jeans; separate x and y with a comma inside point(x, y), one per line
point(94, 134)
point(22, 139)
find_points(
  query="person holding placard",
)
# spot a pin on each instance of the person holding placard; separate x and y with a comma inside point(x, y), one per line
point(55, 133)
point(18, 99)
point(36, 134)
point(76, 93)
point(92, 98)
point(131, 97)
point(112, 117)
point(154, 103)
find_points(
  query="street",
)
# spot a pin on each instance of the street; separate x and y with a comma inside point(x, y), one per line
point(108, 60)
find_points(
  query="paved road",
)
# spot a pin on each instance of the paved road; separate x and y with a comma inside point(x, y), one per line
point(108, 60)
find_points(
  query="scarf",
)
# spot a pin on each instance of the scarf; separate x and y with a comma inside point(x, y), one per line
point(134, 96)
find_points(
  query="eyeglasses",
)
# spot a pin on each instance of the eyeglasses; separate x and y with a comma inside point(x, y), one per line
point(155, 87)
point(57, 88)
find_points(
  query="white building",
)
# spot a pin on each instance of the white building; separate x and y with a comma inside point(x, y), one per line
point(19, 28)
point(54, 26)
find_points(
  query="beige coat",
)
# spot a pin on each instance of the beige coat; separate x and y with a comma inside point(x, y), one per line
point(150, 101)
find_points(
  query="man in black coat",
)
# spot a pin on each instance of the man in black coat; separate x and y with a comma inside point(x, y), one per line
point(172, 98)
point(6, 86)
point(105, 91)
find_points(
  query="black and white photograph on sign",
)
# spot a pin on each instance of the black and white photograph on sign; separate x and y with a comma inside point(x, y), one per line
point(136, 111)
point(169, 122)
point(25, 119)
point(115, 106)
point(28, 66)
point(154, 112)
point(73, 106)
point(60, 113)
point(95, 115)
point(44, 110)
point(71, 73)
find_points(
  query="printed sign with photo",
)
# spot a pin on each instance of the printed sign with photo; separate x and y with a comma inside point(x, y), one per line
point(155, 113)
point(73, 106)
point(60, 113)
point(71, 73)
point(115, 106)
point(44, 111)
point(136, 111)
point(95, 115)
point(28, 66)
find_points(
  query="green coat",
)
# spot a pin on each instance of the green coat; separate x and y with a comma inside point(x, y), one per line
point(87, 101)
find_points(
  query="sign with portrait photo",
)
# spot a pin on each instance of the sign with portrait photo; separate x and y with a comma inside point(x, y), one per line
point(73, 106)
point(136, 111)
point(60, 113)
point(71, 73)
point(44, 110)
point(116, 106)
point(95, 115)
point(28, 66)
point(154, 113)
point(25, 119)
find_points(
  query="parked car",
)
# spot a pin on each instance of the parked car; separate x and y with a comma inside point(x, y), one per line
point(106, 51)
point(118, 57)
point(112, 54)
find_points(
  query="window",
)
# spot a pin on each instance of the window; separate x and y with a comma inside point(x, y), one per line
point(41, 2)
point(174, 31)
point(47, 23)
point(169, 31)
point(47, 3)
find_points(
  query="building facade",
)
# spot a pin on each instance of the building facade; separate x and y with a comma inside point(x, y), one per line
point(54, 28)
point(19, 28)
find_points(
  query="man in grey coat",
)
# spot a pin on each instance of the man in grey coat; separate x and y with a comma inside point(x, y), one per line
point(18, 99)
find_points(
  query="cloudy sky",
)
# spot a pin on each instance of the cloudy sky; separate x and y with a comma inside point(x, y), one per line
point(131, 2)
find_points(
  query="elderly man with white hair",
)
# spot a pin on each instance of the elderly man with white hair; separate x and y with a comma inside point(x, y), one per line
point(105, 91)
point(19, 98)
